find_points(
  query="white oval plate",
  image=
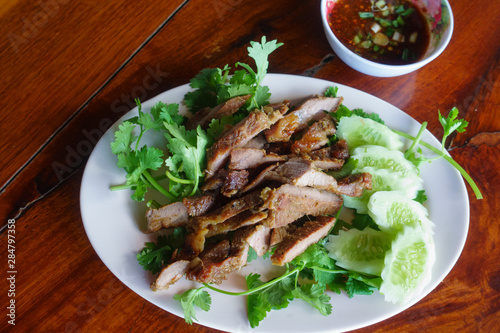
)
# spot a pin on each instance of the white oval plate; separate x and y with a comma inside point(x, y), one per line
point(113, 224)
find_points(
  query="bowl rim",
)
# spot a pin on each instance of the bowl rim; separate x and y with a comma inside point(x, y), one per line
point(415, 65)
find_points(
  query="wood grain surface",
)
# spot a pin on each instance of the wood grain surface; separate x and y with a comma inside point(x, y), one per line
point(70, 69)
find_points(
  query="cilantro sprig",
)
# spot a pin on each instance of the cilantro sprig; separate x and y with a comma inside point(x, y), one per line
point(307, 277)
point(450, 124)
point(186, 160)
point(155, 255)
point(213, 86)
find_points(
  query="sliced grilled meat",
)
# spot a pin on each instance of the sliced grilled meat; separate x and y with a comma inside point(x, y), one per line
point(315, 137)
point(354, 185)
point(243, 219)
point(169, 216)
point(235, 181)
point(217, 263)
point(298, 241)
point(204, 116)
point(288, 203)
point(249, 158)
point(278, 234)
point(299, 118)
point(170, 274)
point(301, 172)
point(229, 210)
point(198, 205)
point(238, 136)
point(259, 238)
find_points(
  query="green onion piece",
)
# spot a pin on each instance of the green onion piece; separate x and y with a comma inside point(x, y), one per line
point(400, 9)
point(356, 40)
point(365, 15)
point(376, 48)
point(400, 20)
point(380, 3)
point(406, 52)
point(383, 22)
point(389, 32)
point(407, 12)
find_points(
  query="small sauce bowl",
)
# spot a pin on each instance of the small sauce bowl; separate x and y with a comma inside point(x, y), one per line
point(439, 19)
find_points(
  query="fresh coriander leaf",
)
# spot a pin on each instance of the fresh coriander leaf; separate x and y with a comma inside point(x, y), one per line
point(154, 255)
point(219, 126)
point(257, 305)
point(206, 84)
point(346, 169)
point(331, 92)
point(189, 147)
point(124, 138)
point(314, 294)
point(252, 255)
point(362, 221)
point(191, 298)
point(373, 116)
point(421, 197)
point(279, 294)
point(168, 113)
point(355, 287)
point(451, 124)
point(260, 98)
point(260, 53)
point(344, 111)
point(417, 158)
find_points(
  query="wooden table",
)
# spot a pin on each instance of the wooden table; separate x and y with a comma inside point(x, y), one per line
point(71, 68)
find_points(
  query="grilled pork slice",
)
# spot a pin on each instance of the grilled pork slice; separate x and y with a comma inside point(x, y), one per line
point(169, 216)
point(298, 241)
point(288, 203)
point(249, 158)
point(353, 185)
point(260, 179)
point(278, 234)
point(238, 136)
point(299, 118)
point(243, 219)
point(227, 211)
point(170, 274)
point(315, 137)
point(235, 181)
point(259, 238)
point(205, 115)
point(217, 263)
point(198, 205)
point(300, 172)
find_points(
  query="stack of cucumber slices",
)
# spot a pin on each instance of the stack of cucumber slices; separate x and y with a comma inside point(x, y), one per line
point(401, 251)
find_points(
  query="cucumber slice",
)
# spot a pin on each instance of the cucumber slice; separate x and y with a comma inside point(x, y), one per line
point(361, 251)
point(408, 265)
point(384, 180)
point(382, 158)
point(358, 131)
point(392, 211)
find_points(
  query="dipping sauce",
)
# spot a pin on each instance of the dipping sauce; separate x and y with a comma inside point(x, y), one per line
point(393, 32)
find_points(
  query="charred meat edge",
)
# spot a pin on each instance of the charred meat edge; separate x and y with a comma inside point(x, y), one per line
point(238, 136)
point(297, 242)
point(299, 118)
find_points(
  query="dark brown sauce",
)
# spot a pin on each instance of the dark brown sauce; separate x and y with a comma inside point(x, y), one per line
point(403, 37)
